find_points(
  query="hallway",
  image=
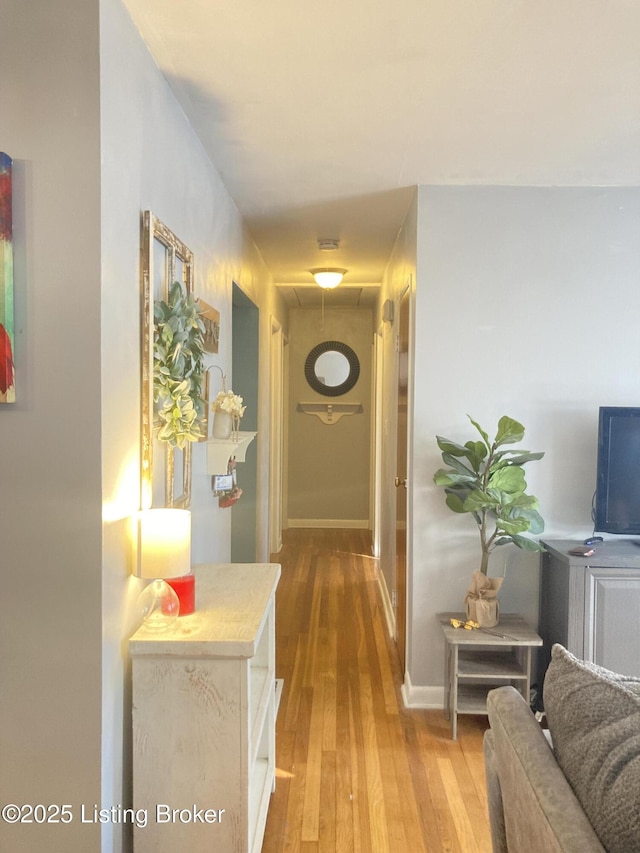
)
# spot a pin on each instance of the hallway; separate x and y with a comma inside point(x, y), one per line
point(355, 771)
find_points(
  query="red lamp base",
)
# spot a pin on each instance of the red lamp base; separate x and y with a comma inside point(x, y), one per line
point(185, 588)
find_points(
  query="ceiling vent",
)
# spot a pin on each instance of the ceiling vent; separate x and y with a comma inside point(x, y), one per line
point(328, 245)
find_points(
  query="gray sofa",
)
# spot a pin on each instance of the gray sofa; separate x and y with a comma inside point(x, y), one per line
point(583, 794)
point(531, 804)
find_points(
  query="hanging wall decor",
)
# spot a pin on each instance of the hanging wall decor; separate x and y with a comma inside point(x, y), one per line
point(7, 339)
point(172, 368)
point(211, 319)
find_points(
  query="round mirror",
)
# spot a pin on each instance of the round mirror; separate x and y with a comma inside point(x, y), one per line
point(332, 368)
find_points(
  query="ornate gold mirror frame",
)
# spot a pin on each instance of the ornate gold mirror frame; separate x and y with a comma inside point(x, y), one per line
point(164, 469)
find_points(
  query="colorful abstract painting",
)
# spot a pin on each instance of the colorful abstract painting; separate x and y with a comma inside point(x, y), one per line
point(7, 341)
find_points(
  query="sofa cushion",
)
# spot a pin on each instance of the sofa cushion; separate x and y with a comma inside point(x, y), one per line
point(594, 720)
point(532, 807)
point(494, 795)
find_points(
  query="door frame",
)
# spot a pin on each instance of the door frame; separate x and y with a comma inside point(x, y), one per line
point(245, 361)
point(377, 444)
point(277, 421)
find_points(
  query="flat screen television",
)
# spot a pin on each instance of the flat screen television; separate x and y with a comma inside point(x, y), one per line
point(617, 498)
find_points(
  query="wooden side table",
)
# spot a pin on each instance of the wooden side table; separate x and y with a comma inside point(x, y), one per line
point(477, 661)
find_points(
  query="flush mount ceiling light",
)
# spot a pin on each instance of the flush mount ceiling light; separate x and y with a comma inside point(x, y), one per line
point(328, 277)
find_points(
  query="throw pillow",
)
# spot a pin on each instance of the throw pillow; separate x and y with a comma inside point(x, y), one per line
point(594, 720)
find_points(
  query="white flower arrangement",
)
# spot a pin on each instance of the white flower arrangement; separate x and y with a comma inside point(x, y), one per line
point(227, 401)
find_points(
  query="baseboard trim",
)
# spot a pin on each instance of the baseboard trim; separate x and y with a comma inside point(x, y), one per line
point(414, 696)
point(347, 523)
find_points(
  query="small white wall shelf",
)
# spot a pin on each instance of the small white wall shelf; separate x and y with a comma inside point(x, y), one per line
point(330, 413)
point(220, 450)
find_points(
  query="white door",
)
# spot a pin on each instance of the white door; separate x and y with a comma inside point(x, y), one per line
point(401, 476)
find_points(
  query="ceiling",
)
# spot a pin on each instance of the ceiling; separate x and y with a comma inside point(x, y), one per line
point(322, 117)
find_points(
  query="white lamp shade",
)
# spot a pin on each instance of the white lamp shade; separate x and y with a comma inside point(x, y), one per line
point(328, 278)
point(164, 543)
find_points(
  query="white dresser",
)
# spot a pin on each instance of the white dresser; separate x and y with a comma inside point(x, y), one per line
point(204, 717)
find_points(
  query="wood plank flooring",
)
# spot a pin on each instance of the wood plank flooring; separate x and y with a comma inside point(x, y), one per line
point(355, 770)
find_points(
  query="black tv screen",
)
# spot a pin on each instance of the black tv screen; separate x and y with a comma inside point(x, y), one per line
point(617, 504)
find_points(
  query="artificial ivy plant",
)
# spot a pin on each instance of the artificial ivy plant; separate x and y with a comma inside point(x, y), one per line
point(489, 483)
point(178, 367)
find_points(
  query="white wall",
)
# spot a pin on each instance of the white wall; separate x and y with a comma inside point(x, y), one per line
point(527, 304)
point(329, 464)
point(50, 501)
point(97, 137)
point(153, 160)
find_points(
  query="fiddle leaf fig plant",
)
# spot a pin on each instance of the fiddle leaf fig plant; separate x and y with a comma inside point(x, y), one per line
point(178, 368)
point(487, 480)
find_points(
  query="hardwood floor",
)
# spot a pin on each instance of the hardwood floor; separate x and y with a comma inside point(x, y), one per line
point(355, 770)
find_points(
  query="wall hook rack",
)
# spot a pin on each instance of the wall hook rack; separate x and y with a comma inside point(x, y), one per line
point(330, 413)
